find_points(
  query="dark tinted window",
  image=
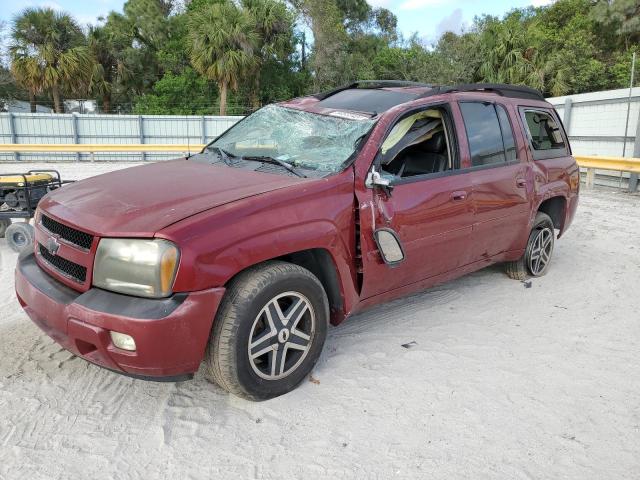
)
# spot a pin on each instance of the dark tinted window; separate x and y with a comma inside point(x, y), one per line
point(483, 132)
point(507, 134)
point(544, 131)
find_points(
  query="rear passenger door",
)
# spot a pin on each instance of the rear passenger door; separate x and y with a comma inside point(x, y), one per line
point(501, 181)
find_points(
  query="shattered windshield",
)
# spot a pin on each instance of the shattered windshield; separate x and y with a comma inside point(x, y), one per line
point(301, 139)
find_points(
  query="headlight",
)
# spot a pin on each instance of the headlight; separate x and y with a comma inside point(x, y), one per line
point(145, 268)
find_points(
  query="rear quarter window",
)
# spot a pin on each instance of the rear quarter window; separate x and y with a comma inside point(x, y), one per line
point(546, 136)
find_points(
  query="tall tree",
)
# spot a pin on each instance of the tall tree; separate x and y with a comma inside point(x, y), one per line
point(330, 38)
point(456, 58)
point(223, 40)
point(508, 54)
point(29, 75)
point(55, 42)
point(274, 32)
point(109, 68)
point(621, 15)
point(138, 40)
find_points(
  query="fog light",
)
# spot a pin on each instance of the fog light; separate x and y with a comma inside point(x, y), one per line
point(125, 342)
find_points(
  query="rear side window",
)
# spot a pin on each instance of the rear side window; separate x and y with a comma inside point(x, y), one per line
point(545, 134)
point(507, 134)
point(489, 133)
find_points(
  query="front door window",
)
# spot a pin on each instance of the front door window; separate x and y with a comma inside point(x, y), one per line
point(418, 144)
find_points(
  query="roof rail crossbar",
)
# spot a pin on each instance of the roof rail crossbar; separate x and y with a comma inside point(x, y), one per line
point(512, 91)
point(371, 84)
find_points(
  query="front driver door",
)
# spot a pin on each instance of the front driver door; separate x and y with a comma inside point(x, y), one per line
point(431, 214)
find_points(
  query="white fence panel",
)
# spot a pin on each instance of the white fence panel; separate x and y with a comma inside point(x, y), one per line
point(109, 129)
point(596, 126)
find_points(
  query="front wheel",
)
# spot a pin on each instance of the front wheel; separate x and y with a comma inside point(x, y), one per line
point(537, 256)
point(268, 332)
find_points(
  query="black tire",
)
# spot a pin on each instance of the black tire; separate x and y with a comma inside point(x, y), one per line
point(4, 224)
point(19, 236)
point(526, 265)
point(242, 321)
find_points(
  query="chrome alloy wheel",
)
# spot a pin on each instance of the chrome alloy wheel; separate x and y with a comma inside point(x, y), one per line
point(281, 335)
point(541, 248)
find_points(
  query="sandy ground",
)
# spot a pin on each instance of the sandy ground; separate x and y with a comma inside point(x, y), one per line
point(503, 381)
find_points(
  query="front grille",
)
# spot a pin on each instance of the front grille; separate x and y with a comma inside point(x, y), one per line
point(71, 235)
point(67, 268)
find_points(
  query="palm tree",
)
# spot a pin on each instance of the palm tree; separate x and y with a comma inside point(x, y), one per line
point(109, 66)
point(55, 43)
point(28, 74)
point(509, 58)
point(222, 40)
point(274, 26)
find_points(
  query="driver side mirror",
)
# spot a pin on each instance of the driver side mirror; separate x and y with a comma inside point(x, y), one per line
point(376, 179)
point(389, 246)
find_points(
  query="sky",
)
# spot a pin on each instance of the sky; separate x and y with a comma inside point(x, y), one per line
point(429, 18)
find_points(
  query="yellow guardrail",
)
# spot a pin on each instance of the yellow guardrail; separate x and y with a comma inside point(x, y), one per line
point(591, 163)
point(618, 164)
point(97, 147)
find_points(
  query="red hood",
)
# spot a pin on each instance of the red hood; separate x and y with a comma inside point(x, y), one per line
point(139, 201)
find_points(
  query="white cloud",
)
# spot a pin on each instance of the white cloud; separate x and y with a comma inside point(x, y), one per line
point(86, 19)
point(418, 4)
point(451, 23)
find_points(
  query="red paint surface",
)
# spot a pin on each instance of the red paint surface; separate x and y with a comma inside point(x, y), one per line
point(165, 347)
point(225, 220)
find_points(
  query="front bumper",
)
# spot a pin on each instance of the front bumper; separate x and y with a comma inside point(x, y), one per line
point(171, 334)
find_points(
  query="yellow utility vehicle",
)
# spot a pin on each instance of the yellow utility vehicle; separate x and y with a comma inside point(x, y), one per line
point(20, 194)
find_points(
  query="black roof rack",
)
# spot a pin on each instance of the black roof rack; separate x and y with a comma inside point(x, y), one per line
point(371, 84)
point(511, 91)
point(370, 96)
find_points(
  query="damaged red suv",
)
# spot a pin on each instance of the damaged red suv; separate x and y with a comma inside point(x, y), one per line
point(296, 217)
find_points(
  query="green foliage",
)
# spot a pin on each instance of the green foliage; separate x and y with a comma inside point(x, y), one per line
point(413, 63)
point(232, 56)
point(49, 52)
point(222, 40)
point(185, 94)
point(8, 87)
point(621, 15)
point(457, 58)
point(620, 70)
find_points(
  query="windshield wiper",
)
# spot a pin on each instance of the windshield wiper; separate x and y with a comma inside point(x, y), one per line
point(224, 155)
point(277, 161)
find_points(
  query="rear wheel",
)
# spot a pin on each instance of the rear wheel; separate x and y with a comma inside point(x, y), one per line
point(4, 224)
point(269, 331)
point(19, 235)
point(537, 256)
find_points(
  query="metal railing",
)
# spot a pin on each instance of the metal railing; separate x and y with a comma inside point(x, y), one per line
point(98, 147)
point(617, 164)
point(71, 152)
